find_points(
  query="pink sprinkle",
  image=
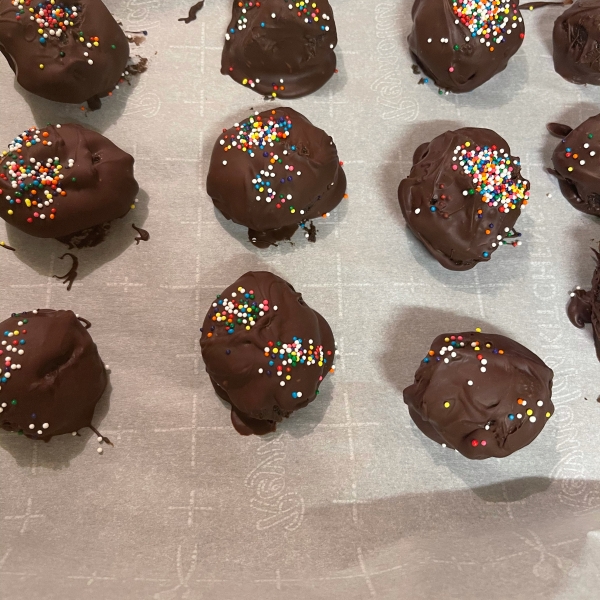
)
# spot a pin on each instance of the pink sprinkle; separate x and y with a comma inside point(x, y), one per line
point(454, 167)
point(483, 443)
point(451, 69)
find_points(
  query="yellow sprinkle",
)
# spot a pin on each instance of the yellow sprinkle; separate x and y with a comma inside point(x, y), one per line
point(548, 415)
point(244, 81)
point(41, 66)
point(132, 207)
point(446, 404)
point(288, 377)
point(10, 212)
point(478, 330)
point(529, 412)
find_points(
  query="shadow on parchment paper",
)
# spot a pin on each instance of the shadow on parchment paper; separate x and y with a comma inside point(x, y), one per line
point(61, 450)
point(36, 252)
point(46, 111)
point(453, 544)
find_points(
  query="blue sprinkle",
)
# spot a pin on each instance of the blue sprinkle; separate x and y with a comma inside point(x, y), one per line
point(426, 359)
point(486, 254)
point(433, 209)
point(511, 417)
point(228, 352)
point(294, 395)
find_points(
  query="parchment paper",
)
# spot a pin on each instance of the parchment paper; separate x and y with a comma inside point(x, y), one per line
point(348, 500)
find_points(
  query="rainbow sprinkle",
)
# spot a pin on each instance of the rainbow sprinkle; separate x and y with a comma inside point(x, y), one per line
point(35, 183)
point(244, 311)
point(492, 173)
point(256, 133)
point(489, 19)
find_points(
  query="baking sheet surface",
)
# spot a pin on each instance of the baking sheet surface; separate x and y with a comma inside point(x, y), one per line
point(348, 500)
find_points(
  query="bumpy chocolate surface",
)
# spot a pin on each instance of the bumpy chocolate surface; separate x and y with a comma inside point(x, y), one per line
point(280, 48)
point(481, 394)
point(273, 172)
point(576, 43)
point(576, 165)
point(63, 51)
point(266, 351)
point(584, 307)
point(463, 196)
point(448, 42)
point(52, 376)
point(62, 180)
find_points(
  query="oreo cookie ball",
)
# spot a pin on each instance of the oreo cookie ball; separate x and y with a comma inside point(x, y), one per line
point(461, 44)
point(63, 51)
point(280, 49)
point(576, 165)
point(273, 172)
point(266, 351)
point(51, 376)
point(576, 40)
point(584, 306)
point(482, 394)
point(463, 196)
point(65, 182)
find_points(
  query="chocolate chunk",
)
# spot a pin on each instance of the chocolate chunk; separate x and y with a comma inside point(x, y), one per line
point(448, 43)
point(280, 49)
point(266, 351)
point(463, 196)
point(576, 164)
point(52, 376)
point(484, 395)
point(70, 181)
point(274, 171)
point(69, 52)
point(576, 43)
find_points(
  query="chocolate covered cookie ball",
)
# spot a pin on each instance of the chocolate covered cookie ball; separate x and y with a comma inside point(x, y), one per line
point(576, 165)
point(280, 49)
point(584, 306)
point(266, 351)
point(463, 196)
point(273, 173)
point(65, 182)
point(51, 376)
point(481, 394)
point(63, 51)
point(576, 43)
point(461, 44)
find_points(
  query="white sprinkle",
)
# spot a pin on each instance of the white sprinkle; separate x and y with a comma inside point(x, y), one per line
point(532, 419)
point(32, 426)
point(224, 162)
point(540, 403)
point(40, 432)
point(100, 450)
point(282, 383)
point(417, 211)
point(483, 369)
point(469, 382)
point(74, 434)
point(45, 426)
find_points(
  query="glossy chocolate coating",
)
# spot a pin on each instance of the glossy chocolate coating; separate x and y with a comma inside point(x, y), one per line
point(279, 49)
point(443, 207)
point(67, 75)
point(52, 376)
point(274, 196)
point(440, 46)
point(264, 370)
point(576, 163)
point(576, 43)
point(481, 394)
point(98, 188)
point(584, 306)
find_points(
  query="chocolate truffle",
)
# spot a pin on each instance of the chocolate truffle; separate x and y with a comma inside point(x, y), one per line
point(576, 43)
point(576, 165)
point(280, 49)
point(52, 376)
point(65, 182)
point(63, 51)
point(481, 394)
point(584, 307)
point(463, 196)
point(266, 351)
point(460, 44)
point(273, 172)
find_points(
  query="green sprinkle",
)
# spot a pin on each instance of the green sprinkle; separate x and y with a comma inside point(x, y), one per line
point(13, 402)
